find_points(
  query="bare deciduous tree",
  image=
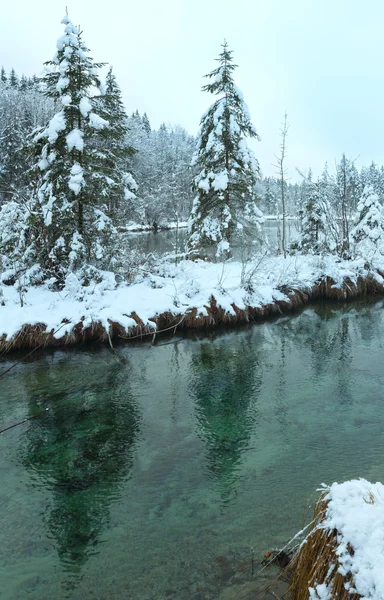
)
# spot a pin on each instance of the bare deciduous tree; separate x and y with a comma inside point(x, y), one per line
point(282, 174)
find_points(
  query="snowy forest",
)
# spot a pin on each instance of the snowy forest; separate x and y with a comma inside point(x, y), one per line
point(170, 467)
point(76, 172)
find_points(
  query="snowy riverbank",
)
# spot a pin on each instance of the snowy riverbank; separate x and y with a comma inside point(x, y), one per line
point(342, 556)
point(199, 294)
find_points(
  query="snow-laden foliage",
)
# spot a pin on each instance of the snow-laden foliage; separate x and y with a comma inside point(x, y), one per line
point(161, 166)
point(226, 168)
point(367, 236)
point(78, 179)
point(120, 194)
point(323, 209)
point(313, 222)
point(22, 109)
point(72, 186)
point(14, 240)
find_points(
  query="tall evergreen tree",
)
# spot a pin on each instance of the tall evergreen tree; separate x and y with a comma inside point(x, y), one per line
point(23, 83)
point(146, 123)
point(380, 190)
point(13, 79)
point(113, 145)
point(313, 224)
point(12, 138)
point(373, 176)
point(72, 191)
point(226, 168)
point(269, 197)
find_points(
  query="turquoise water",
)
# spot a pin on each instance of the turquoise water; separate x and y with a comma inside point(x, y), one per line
point(151, 476)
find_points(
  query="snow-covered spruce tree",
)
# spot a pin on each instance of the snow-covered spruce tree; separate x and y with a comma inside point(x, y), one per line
point(312, 236)
point(21, 111)
point(269, 196)
point(75, 182)
point(146, 123)
point(114, 150)
point(226, 168)
point(13, 79)
point(13, 133)
point(14, 242)
point(367, 236)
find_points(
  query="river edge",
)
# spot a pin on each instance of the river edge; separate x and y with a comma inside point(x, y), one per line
point(34, 336)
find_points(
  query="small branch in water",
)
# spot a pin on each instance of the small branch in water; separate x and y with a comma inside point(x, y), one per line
point(23, 421)
point(117, 354)
point(174, 327)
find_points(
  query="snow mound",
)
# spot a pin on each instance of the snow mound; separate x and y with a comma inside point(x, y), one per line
point(356, 510)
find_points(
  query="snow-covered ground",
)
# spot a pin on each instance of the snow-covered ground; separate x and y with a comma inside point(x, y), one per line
point(356, 510)
point(170, 288)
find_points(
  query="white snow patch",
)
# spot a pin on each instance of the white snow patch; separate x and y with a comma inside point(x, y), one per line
point(66, 100)
point(76, 179)
point(75, 140)
point(97, 122)
point(220, 181)
point(56, 124)
point(85, 106)
point(62, 83)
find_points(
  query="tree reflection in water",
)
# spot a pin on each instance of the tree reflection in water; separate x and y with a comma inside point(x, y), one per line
point(225, 381)
point(82, 450)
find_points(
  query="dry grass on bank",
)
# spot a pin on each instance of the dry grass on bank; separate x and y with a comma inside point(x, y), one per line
point(317, 563)
point(33, 336)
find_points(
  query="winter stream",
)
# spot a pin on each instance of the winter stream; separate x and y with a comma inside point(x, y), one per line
point(151, 477)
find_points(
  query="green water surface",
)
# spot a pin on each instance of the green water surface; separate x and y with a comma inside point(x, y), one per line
point(151, 477)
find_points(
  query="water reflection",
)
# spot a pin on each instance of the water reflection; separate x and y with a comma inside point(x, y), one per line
point(82, 450)
point(235, 435)
point(330, 348)
point(225, 383)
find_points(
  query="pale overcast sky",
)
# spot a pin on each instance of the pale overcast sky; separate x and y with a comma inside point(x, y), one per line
point(321, 61)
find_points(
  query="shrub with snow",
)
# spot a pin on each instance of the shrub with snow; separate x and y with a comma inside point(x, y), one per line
point(367, 236)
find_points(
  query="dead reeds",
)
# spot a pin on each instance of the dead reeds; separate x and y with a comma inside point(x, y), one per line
point(33, 336)
point(316, 563)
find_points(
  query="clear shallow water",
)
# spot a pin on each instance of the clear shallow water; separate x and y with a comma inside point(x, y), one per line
point(151, 478)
